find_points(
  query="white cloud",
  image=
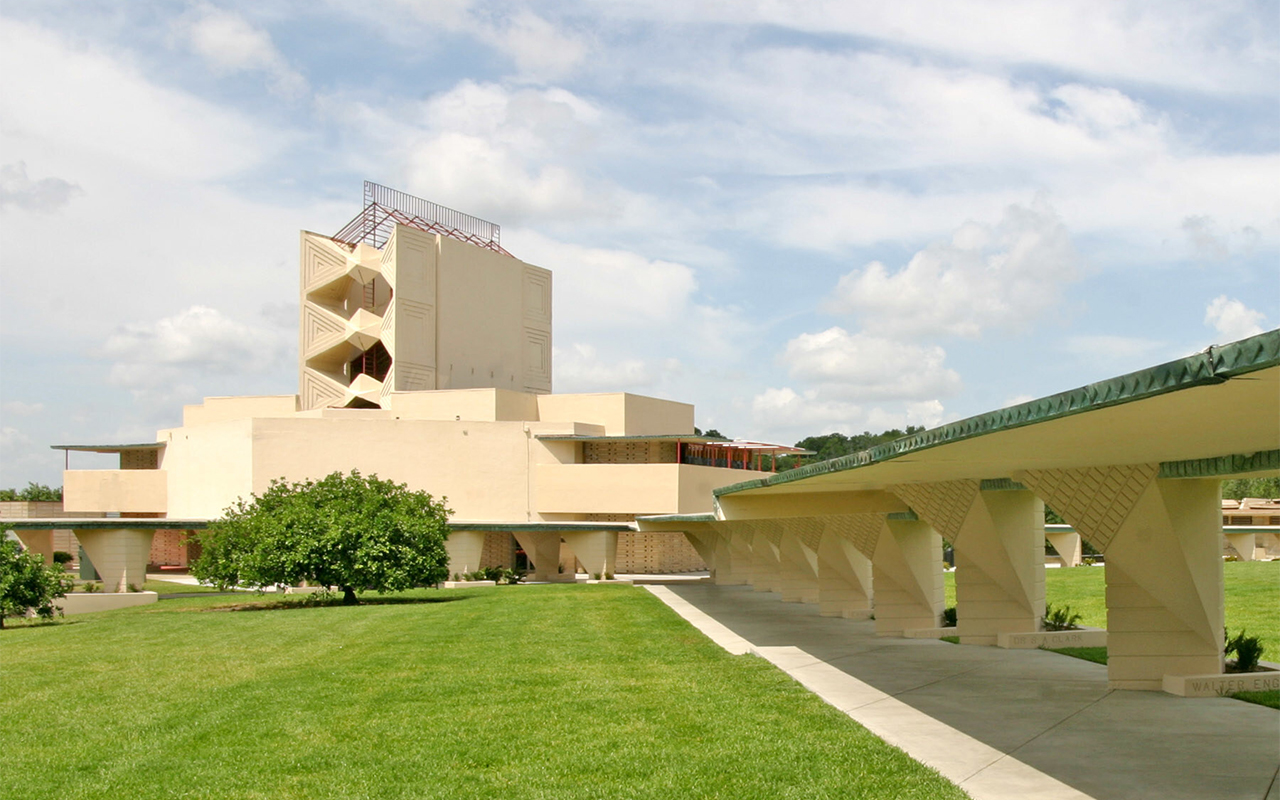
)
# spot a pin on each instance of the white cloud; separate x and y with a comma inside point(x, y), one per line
point(108, 113)
point(1232, 319)
point(189, 345)
point(987, 276)
point(229, 44)
point(600, 288)
point(19, 408)
point(581, 369)
point(863, 366)
point(541, 50)
point(1224, 46)
point(786, 415)
point(43, 196)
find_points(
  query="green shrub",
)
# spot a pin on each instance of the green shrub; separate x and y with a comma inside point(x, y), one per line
point(1060, 619)
point(90, 587)
point(949, 617)
point(62, 557)
point(26, 582)
point(1247, 650)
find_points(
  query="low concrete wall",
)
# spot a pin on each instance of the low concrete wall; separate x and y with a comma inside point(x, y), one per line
point(83, 603)
point(1084, 637)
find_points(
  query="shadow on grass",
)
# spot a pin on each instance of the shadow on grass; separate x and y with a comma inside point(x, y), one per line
point(314, 601)
point(14, 624)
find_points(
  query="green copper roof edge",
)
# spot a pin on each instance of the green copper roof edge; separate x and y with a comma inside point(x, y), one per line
point(1221, 465)
point(704, 517)
point(1214, 365)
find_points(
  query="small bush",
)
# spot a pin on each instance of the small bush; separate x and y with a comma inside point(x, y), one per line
point(91, 587)
point(949, 617)
point(1247, 650)
point(62, 557)
point(1060, 619)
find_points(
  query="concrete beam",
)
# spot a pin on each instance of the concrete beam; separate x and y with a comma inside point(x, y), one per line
point(808, 504)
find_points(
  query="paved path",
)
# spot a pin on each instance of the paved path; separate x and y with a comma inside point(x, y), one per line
point(1002, 724)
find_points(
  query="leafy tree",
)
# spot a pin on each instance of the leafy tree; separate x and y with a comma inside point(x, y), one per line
point(26, 582)
point(35, 492)
point(835, 445)
point(1240, 488)
point(349, 531)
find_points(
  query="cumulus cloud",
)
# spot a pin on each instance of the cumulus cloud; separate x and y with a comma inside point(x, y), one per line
point(45, 195)
point(1232, 319)
point(580, 368)
point(604, 288)
point(987, 276)
point(541, 50)
point(20, 409)
point(230, 44)
point(865, 366)
point(188, 345)
point(785, 414)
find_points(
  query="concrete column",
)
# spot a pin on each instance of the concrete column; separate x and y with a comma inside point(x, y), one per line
point(465, 549)
point(1243, 543)
point(543, 550)
point(1068, 545)
point(765, 558)
point(120, 555)
point(597, 550)
point(1162, 539)
point(906, 571)
point(40, 542)
point(844, 578)
point(734, 541)
point(798, 569)
point(704, 542)
point(997, 529)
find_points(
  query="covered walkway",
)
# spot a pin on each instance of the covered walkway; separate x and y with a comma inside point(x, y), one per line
point(1002, 723)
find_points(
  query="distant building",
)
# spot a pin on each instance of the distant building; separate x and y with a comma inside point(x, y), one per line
point(425, 358)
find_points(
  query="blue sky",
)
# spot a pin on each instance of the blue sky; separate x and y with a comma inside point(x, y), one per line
point(801, 217)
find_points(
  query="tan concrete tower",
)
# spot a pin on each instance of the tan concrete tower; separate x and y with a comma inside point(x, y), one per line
point(412, 296)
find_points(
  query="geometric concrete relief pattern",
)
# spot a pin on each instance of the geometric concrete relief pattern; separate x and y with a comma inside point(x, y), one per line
point(1094, 500)
point(770, 529)
point(322, 261)
point(808, 530)
point(943, 505)
point(321, 330)
point(318, 391)
point(862, 530)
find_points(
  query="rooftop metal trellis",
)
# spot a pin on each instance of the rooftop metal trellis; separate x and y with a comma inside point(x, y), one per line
point(384, 207)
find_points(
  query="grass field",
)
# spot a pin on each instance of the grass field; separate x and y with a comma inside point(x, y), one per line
point(514, 692)
point(1252, 591)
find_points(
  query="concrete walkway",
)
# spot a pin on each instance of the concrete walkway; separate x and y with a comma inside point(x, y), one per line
point(1002, 724)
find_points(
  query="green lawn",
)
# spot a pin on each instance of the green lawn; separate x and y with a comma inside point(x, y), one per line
point(1252, 598)
point(515, 692)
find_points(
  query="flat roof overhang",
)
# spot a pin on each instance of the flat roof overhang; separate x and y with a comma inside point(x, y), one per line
point(1215, 413)
point(103, 523)
point(107, 448)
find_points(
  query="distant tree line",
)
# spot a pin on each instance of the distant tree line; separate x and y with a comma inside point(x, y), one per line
point(35, 492)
